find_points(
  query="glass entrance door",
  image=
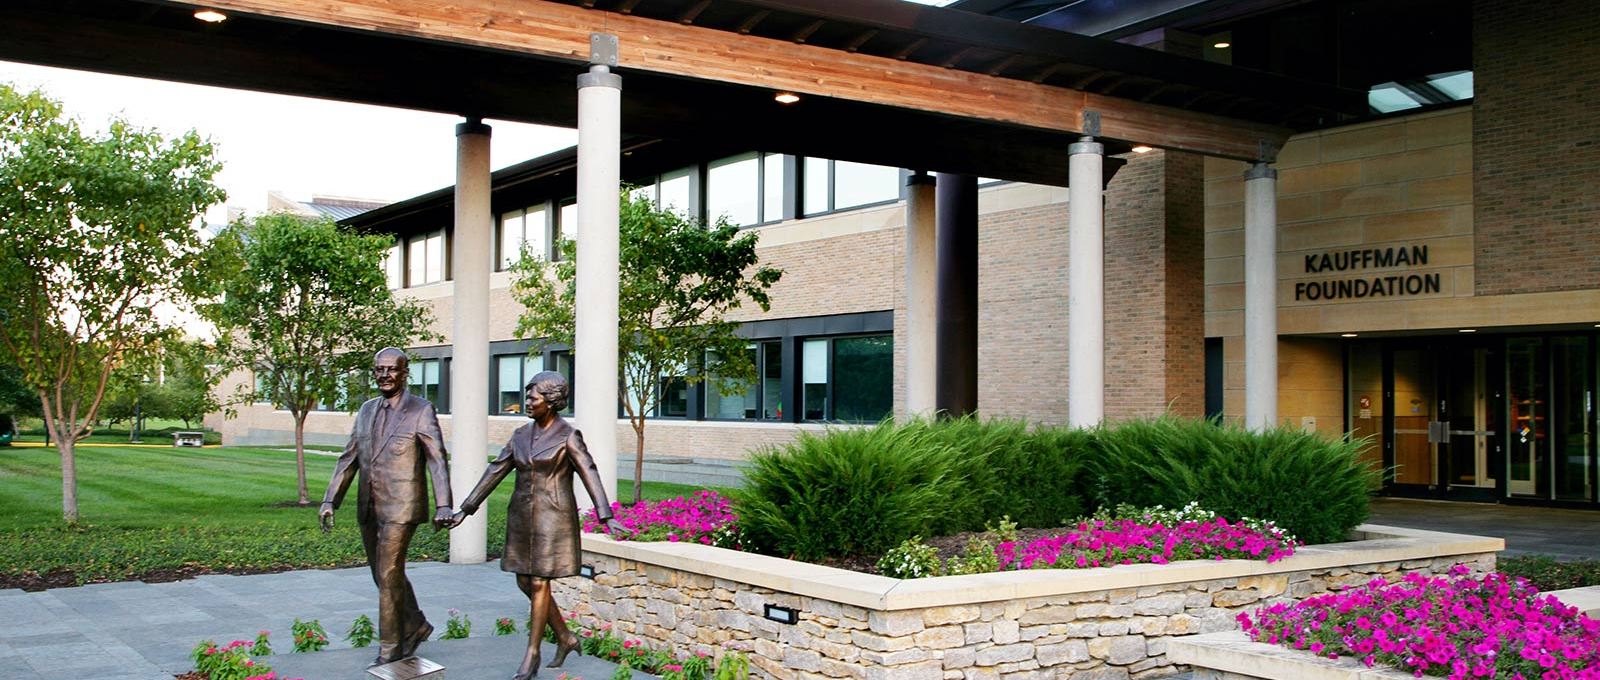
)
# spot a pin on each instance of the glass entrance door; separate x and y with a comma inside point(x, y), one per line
point(1414, 399)
point(1438, 423)
point(1551, 405)
point(1468, 421)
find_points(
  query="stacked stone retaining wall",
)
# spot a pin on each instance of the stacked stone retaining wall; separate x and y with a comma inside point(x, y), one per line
point(1090, 624)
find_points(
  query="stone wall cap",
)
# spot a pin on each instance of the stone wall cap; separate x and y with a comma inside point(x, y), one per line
point(1376, 544)
point(1233, 652)
point(1587, 599)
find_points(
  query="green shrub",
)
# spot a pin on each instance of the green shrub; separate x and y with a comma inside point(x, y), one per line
point(1315, 488)
point(857, 491)
point(1036, 476)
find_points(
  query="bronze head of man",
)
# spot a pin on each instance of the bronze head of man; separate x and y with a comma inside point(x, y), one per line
point(391, 370)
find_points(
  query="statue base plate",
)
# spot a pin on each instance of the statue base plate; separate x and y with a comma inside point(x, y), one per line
point(409, 668)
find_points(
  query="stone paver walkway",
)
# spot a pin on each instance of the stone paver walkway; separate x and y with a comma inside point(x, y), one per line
point(144, 631)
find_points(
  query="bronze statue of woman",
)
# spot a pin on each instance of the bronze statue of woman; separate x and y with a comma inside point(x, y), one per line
point(542, 540)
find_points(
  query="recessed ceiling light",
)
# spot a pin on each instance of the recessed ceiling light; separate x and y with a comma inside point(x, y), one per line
point(1468, 330)
point(210, 16)
point(786, 97)
point(1222, 44)
point(1347, 335)
point(1143, 149)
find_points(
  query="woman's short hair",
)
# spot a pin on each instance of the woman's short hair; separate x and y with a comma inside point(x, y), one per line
point(553, 386)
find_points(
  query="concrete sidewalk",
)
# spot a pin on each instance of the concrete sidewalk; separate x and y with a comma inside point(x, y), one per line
point(1559, 533)
point(144, 631)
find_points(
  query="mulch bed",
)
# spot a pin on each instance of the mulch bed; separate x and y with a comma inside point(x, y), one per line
point(61, 578)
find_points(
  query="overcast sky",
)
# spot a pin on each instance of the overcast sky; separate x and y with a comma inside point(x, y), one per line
point(295, 145)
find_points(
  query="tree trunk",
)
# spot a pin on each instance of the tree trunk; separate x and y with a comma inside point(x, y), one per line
point(638, 462)
point(69, 478)
point(300, 455)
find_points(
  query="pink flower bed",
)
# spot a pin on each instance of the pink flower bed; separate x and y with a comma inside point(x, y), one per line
point(1102, 542)
point(705, 517)
point(1456, 626)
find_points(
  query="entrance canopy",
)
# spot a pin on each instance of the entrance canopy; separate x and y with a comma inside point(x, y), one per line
point(879, 81)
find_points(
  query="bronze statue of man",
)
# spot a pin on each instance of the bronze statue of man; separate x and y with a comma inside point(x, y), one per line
point(396, 436)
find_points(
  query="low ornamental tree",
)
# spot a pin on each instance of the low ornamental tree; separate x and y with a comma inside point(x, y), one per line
point(679, 280)
point(97, 234)
point(304, 307)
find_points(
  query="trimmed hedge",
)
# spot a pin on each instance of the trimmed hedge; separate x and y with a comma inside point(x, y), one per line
point(1315, 488)
point(861, 491)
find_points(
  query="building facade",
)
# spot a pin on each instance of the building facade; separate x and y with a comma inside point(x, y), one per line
point(1438, 270)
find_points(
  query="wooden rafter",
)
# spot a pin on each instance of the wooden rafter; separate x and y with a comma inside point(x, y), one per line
point(559, 31)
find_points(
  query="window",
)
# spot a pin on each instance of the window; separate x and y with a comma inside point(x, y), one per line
point(565, 228)
point(839, 185)
point(522, 230)
point(848, 379)
point(677, 192)
point(563, 365)
point(762, 399)
point(425, 382)
point(425, 259)
point(772, 185)
point(512, 371)
point(672, 191)
point(672, 396)
point(392, 271)
point(733, 190)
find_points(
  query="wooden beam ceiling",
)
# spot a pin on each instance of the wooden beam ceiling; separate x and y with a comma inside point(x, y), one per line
point(557, 31)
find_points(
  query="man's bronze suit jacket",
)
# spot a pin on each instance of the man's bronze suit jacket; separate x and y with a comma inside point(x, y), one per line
point(394, 464)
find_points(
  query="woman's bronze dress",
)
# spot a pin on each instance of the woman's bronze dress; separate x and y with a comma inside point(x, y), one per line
point(542, 519)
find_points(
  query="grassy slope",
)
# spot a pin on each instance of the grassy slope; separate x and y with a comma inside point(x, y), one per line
point(153, 509)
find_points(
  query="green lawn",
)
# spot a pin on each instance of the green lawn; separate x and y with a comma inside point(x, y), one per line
point(145, 510)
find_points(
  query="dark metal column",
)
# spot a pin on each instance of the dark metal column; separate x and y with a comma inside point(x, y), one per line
point(956, 211)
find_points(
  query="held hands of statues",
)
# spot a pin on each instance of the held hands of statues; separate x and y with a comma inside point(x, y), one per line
point(444, 519)
point(325, 517)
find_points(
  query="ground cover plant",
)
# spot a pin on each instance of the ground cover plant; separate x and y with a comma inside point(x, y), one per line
point(1131, 535)
point(230, 662)
point(1458, 626)
point(702, 517)
point(160, 513)
point(1547, 573)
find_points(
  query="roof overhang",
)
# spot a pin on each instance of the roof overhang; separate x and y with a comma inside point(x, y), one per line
point(882, 81)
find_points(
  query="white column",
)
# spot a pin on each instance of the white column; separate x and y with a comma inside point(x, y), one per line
point(469, 362)
point(922, 285)
point(1086, 328)
point(595, 342)
point(1260, 297)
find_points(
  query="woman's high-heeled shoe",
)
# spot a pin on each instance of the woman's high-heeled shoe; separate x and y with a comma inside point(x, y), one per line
point(532, 671)
point(562, 647)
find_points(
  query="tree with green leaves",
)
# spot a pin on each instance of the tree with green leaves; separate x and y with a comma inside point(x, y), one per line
point(680, 279)
point(304, 307)
point(97, 239)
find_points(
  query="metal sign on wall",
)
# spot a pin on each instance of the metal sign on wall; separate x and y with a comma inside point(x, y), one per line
point(1356, 284)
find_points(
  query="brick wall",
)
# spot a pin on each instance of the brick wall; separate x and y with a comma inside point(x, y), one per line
point(1022, 314)
point(1536, 141)
point(1154, 287)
